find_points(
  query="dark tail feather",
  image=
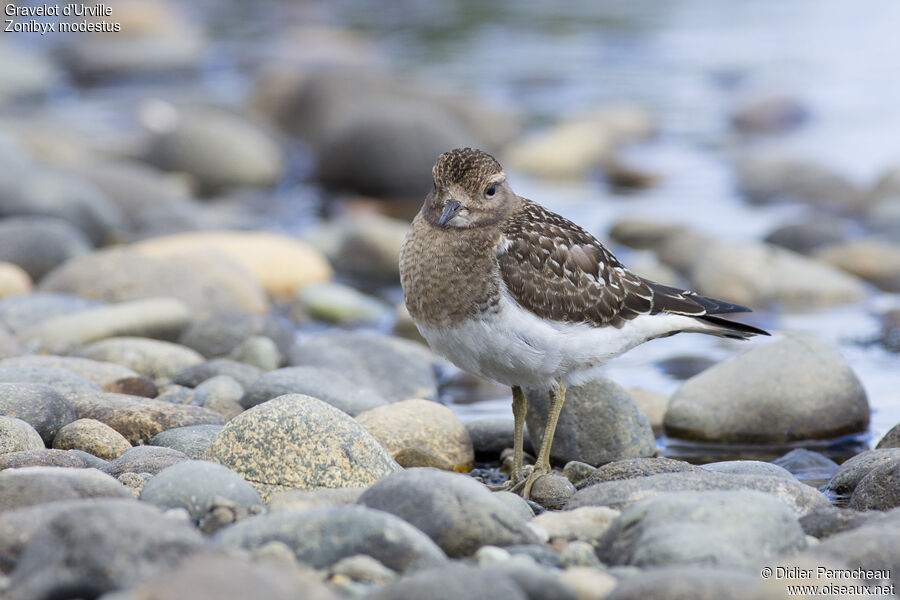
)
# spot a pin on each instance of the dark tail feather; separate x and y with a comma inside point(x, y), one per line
point(732, 329)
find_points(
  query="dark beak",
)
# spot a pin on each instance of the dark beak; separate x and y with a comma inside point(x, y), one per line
point(450, 209)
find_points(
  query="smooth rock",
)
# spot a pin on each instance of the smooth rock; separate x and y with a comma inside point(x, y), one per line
point(93, 437)
point(891, 439)
point(39, 244)
point(538, 582)
point(805, 464)
point(759, 275)
point(807, 237)
point(220, 334)
point(220, 577)
point(206, 281)
point(798, 497)
point(297, 441)
point(451, 583)
point(829, 520)
point(146, 543)
point(457, 512)
point(153, 358)
point(363, 568)
point(282, 265)
point(8, 345)
point(853, 470)
point(338, 304)
point(874, 546)
point(153, 318)
point(491, 435)
point(139, 419)
point(302, 500)
point(20, 312)
point(221, 394)
point(421, 425)
point(44, 457)
point(38, 485)
point(65, 383)
point(696, 583)
point(328, 386)
point(100, 373)
point(875, 261)
point(193, 440)
point(794, 388)
point(588, 523)
point(515, 504)
point(17, 436)
point(259, 351)
point(578, 554)
point(194, 375)
point(40, 406)
point(144, 459)
point(552, 491)
point(633, 468)
point(599, 423)
point(322, 537)
point(748, 467)
point(879, 489)
point(727, 528)
point(770, 115)
point(218, 149)
point(652, 404)
point(198, 486)
point(138, 385)
point(589, 583)
point(398, 369)
point(364, 248)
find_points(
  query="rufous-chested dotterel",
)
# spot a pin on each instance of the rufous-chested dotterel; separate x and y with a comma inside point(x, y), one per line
point(513, 292)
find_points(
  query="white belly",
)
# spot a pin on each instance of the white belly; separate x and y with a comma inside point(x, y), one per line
point(515, 347)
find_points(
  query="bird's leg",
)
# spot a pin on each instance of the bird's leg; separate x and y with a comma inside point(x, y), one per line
point(519, 408)
point(542, 466)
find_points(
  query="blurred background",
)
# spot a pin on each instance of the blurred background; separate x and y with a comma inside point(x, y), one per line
point(748, 150)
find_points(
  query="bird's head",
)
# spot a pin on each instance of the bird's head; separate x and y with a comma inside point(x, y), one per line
point(470, 190)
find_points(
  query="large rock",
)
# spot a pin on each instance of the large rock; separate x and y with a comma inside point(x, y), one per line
point(138, 418)
point(855, 469)
point(731, 529)
point(397, 369)
point(38, 244)
point(457, 512)
point(297, 441)
point(218, 149)
point(92, 437)
point(38, 405)
point(874, 546)
point(422, 427)
point(879, 490)
point(323, 536)
point(138, 542)
point(794, 388)
point(18, 436)
point(326, 385)
point(153, 317)
point(153, 358)
point(206, 281)
point(599, 423)
point(282, 265)
point(620, 494)
point(875, 261)
point(37, 485)
point(198, 486)
point(891, 439)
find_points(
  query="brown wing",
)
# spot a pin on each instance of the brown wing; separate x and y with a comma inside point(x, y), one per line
point(559, 271)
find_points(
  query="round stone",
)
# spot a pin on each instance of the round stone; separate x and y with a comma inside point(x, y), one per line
point(93, 437)
point(198, 486)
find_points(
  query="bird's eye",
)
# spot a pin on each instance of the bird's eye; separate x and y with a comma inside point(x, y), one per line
point(491, 190)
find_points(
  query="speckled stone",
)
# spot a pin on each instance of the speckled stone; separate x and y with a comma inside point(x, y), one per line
point(139, 419)
point(297, 441)
point(40, 458)
point(40, 406)
point(193, 440)
point(552, 491)
point(421, 425)
point(36, 485)
point(198, 486)
point(93, 437)
point(326, 385)
point(194, 375)
point(64, 382)
point(99, 373)
point(587, 523)
point(144, 459)
point(153, 358)
point(16, 435)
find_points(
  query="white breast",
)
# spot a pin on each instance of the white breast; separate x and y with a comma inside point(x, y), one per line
point(515, 347)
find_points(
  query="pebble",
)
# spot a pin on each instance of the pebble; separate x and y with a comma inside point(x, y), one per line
point(800, 498)
point(452, 582)
point(321, 537)
point(193, 440)
point(637, 467)
point(329, 386)
point(206, 282)
point(144, 459)
point(397, 369)
point(297, 441)
point(748, 467)
point(337, 304)
point(99, 373)
point(807, 237)
point(282, 265)
point(156, 359)
point(578, 554)
point(217, 335)
point(64, 382)
point(151, 317)
point(793, 388)
point(42, 457)
point(891, 439)
point(39, 244)
point(29, 486)
point(198, 486)
point(457, 512)
point(875, 261)
point(424, 426)
point(146, 543)
point(589, 583)
point(599, 423)
point(829, 520)
point(27, 75)
point(17, 435)
point(194, 375)
point(726, 528)
point(42, 407)
point(135, 386)
point(139, 419)
point(873, 546)
point(515, 504)
point(19, 312)
point(93, 437)
point(587, 524)
point(855, 469)
point(259, 351)
point(218, 149)
point(552, 491)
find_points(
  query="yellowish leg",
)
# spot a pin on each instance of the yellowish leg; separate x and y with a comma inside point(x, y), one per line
point(519, 407)
point(542, 466)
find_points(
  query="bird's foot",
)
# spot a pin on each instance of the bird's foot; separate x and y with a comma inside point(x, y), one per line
point(532, 474)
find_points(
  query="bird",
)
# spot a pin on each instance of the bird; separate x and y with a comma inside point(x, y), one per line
point(513, 292)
